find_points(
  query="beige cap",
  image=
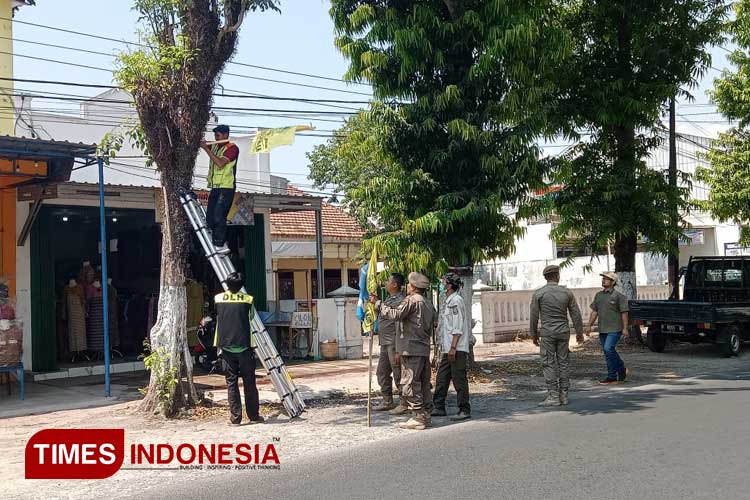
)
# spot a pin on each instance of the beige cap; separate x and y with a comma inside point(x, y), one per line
point(551, 270)
point(419, 280)
point(609, 275)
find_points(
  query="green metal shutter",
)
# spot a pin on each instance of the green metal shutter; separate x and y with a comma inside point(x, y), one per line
point(43, 342)
point(255, 262)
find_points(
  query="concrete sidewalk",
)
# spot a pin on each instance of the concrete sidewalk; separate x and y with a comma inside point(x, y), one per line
point(316, 380)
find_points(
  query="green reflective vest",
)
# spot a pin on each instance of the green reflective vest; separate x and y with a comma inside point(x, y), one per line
point(221, 177)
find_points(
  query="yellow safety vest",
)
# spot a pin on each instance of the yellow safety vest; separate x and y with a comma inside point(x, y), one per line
point(221, 177)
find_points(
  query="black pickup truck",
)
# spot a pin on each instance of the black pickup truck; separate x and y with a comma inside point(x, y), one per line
point(715, 307)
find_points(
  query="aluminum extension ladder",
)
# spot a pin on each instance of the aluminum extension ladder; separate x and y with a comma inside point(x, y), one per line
point(223, 267)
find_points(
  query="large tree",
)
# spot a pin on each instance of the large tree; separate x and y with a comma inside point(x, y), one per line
point(729, 175)
point(467, 84)
point(172, 78)
point(630, 58)
point(355, 162)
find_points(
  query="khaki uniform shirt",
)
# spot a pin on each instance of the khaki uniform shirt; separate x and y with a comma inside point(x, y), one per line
point(416, 316)
point(388, 328)
point(452, 322)
point(609, 305)
point(552, 303)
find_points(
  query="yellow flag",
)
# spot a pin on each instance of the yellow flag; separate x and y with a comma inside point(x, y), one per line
point(269, 138)
point(372, 287)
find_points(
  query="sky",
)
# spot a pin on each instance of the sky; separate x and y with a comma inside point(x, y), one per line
point(300, 39)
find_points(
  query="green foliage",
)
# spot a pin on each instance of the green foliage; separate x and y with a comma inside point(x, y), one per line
point(172, 74)
point(729, 175)
point(476, 81)
point(111, 144)
point(164, 375)
point(630, 58)
point(601, 203)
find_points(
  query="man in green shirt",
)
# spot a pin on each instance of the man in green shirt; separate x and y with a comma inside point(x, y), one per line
point(610, 308)
point(236, 343)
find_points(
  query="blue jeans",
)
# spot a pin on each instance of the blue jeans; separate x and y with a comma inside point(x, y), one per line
point(219, 203)
point(614, 361)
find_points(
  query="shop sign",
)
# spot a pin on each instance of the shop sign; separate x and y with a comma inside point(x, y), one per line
point(241, 213)
point(31, 193)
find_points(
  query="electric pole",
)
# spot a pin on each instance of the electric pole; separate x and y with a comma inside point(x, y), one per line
point(673, 264)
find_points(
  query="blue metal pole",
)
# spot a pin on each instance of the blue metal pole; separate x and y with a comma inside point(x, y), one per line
point(105, 284)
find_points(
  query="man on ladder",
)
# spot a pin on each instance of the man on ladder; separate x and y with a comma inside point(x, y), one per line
point(222, 173)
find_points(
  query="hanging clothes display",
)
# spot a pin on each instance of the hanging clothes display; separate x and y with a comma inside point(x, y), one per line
point(114, 316)
point(87, 275)
point(11, 342)
point(74, 312)
point(95, 324)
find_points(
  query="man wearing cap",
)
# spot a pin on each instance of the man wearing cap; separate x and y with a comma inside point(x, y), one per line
point(222, 172)
point(387, 333)
point(552, 303)
point(415, 315)
point(610, 308)
point(454, 337)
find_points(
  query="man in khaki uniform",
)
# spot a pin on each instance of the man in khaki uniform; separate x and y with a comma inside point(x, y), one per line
point(552, 303)
point(415, 315)
point(610, 308)
point(387, 332)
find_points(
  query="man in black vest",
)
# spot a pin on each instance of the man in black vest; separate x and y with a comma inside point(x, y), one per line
point(236, 343)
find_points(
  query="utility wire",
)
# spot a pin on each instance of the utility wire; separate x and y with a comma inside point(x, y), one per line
point(136, 44)
point(247, 95)
point(95, 68)
point(232, 108)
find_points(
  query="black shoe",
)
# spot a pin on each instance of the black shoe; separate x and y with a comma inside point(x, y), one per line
point(437, 412)
point(257, 420)
point(623, 375)
point(608, 381)
point(235, 424)
point(462, 415)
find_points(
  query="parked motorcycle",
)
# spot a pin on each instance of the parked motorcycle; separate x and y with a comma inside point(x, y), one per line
point(204, 351)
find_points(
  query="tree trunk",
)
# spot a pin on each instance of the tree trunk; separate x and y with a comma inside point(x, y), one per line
point(169, 334)
point(625, 250)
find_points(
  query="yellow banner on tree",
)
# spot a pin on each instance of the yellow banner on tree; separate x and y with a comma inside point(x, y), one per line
point(269, 138)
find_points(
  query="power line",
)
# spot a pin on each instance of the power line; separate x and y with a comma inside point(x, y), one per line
point(255, 66)
point(136, 44)
point(119, 101)
point(239, 181)
point(247, 95)
point(94, 68)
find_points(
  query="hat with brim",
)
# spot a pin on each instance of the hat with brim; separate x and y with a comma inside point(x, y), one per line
point(609, 275)
point(419, 280)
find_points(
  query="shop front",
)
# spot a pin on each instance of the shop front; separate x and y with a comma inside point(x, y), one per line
point(60, 279)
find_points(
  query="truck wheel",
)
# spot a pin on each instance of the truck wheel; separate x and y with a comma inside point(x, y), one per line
point(732, 341)
point(656, 341)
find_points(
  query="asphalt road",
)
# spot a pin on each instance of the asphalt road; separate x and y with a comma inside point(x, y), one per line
point(684, 440)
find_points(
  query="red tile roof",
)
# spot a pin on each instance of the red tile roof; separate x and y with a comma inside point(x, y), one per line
point(337, 224)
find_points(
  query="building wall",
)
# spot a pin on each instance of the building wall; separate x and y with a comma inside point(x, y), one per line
point(302, 280)
point(534, 245)
point(6, 65)
point(253, 171)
